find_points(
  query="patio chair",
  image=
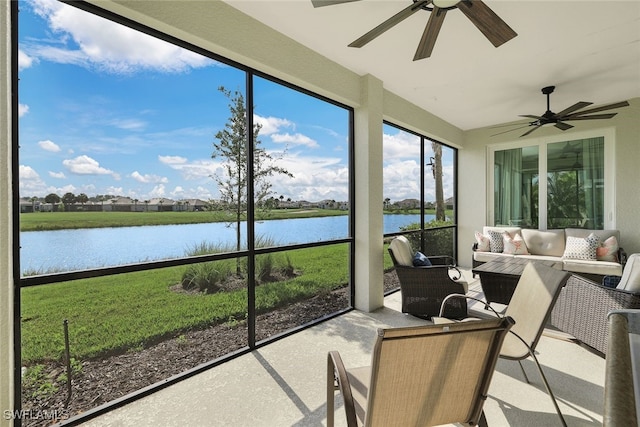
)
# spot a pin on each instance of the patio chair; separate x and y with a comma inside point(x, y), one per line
point(530, 306)
point(420, 376)
point(424, 288)
point(583, 305)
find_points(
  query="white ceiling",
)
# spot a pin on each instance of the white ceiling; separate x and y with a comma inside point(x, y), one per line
point(590, 50)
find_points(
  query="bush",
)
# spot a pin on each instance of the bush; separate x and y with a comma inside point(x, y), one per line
point(438, 241)
point(216, 276)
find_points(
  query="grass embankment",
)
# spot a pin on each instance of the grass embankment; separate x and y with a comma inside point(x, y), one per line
point(41, 221)
point(129, 311)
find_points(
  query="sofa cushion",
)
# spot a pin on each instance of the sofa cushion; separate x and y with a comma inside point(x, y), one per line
point(544, 242)
point(401, 249)
point(482, 241)
point(554, 259)
point(489, 256)
point(603, 268)
point(608, 250)
point(501, 229)
point(630, 280)
point(513, 245)
point(495, 241)
point(581, 247)
point(582, 232)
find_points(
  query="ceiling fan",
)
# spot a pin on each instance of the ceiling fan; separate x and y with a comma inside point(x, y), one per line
point(490, 24)
point(568, 114)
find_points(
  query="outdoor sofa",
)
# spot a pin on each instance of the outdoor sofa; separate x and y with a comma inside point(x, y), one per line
point(592, 254)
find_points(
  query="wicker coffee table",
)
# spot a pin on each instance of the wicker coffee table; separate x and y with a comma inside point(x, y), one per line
point(498, 278)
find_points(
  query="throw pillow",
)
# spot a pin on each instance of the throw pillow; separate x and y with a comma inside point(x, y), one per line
point(495, 241)
point(420, 260)
point(483, 242)
point(581, 248)
point(611, 281)
point(608, 250)
point(514, 245)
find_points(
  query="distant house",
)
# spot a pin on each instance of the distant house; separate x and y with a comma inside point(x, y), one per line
point(29, 204)
point(408, 204)
point(191, 205)
point(161, 204)
point(118, 204)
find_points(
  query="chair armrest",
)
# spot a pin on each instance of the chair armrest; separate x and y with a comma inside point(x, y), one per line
point(442, 260)
point(337, 379)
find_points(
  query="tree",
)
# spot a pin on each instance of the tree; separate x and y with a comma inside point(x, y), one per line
point(68, 199)
point(437, 175)
point(52, 198)
point(82, 198)
point(231, 146)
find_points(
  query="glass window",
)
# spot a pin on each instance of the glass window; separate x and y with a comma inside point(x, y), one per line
point(575, 184)
point(567, 179)
point(516, 187)
point(139, 206)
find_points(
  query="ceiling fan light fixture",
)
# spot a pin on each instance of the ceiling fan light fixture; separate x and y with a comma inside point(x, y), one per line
point(446, 4)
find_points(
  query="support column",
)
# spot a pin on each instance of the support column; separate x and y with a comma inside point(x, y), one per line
point(6, 231)
point(369, 268)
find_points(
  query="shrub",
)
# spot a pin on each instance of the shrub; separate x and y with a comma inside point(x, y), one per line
point(216, 276)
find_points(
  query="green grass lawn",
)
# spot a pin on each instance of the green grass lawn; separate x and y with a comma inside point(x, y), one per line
point(128, 311)
point(41, 221)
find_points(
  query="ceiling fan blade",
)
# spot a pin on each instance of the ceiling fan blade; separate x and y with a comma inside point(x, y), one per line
point(531, 116)
point(428, 40)
point(529, 131)
point(509, 124)
point(395, 19)
point(563, 126)
point(485, 19)
point(603, 108)
point(574, 107)
point(321, 3)
point(592, 117)
point(511, 130)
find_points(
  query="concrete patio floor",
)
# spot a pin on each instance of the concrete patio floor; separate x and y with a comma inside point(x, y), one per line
point(283, 384)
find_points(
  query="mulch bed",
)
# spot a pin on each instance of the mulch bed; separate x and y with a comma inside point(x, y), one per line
point(103, 380)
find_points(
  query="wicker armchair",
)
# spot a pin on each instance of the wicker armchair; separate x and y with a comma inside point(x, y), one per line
point(424, 288)
point(582, 307)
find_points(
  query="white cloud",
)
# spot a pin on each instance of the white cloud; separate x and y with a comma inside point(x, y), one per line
point(22, 109)
point(50, 146)
point(129, 124)
point(177, 192)
point(24, 60)
point(158, 191)
point(85, 165)
point(295, 139)
point(145, 179)
point(30, 183)
point(400, 146)
point(272, 124)
point(27, 173)
point(100, 43)
point(172, 160)
point(58, 175)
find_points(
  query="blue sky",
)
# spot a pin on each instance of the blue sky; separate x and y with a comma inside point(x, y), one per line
point(105, 109)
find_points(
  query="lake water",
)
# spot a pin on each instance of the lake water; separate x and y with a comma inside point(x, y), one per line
point(66, 250)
